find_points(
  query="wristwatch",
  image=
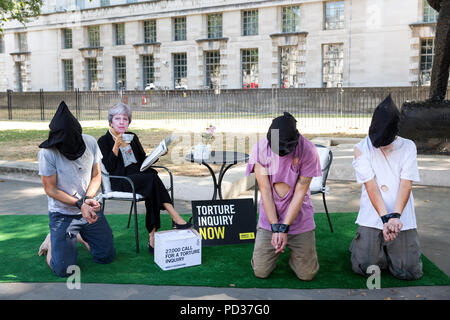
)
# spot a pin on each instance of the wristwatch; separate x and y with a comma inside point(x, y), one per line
point(389, 216)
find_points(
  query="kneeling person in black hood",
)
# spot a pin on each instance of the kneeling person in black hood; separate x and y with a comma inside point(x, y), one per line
point(386, 165)
point(69, 166)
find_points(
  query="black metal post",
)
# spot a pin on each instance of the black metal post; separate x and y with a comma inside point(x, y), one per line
point(41, 101)
point(77, 102)
point(98, 105)
point(9, 93)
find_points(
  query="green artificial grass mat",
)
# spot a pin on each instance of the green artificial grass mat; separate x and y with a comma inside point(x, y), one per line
point(222, 266)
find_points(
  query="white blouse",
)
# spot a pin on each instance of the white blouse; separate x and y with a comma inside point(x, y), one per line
point(399, 163)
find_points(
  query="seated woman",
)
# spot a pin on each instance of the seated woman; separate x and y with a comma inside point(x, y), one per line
point(125, 159)
point(284, 164)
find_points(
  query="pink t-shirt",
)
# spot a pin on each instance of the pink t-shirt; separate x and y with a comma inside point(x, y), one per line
point(282, 169)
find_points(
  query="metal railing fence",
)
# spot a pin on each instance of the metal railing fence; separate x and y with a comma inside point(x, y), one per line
point(342, 108)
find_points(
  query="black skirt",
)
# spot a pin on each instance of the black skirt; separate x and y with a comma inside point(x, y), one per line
point(150, 186)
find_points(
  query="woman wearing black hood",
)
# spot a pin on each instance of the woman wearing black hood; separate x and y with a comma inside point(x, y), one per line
point(386, 165)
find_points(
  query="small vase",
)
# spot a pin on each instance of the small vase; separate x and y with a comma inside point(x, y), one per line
point(202, 151)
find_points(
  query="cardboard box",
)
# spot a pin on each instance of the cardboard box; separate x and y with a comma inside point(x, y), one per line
point(176, 249)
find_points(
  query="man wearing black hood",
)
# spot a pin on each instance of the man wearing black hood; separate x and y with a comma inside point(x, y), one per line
point(284, 164)
point(69, 166)
point(386, 165)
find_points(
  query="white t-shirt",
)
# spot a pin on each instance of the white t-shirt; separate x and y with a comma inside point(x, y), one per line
point(72, 177)
point(400, 163)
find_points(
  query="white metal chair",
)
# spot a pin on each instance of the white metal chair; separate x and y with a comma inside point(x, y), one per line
point(133, 197)
point(318, 184)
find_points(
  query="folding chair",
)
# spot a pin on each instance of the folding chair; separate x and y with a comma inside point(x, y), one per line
point(318, 184)
point(133, 197)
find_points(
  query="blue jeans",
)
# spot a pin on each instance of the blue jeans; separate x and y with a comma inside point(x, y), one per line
point(63, 237)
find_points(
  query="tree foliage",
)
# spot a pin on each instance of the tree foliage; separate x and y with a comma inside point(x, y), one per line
point(21, 11)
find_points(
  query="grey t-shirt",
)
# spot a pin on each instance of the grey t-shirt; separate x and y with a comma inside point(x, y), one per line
point(72, 177)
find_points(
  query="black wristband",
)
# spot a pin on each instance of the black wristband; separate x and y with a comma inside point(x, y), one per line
point(80, 201)
point(281, 228)
point(388, 216)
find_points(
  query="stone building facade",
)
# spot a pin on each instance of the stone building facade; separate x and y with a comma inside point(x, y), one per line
point(227, 44)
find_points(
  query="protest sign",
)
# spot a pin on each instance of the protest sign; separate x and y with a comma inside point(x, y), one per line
point(221, 222)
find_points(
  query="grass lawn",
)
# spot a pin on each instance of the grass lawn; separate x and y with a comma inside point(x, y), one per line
point(222, 266)
point(23, 145)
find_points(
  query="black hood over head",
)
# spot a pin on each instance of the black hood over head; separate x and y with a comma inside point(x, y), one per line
point(288, 134)
point(65, 134)
point(384, 125)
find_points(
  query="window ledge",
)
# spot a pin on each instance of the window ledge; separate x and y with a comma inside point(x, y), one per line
point(147, 44)
point(422, 24)
point(91, 48)
point(212, 39)
point(19, 53)
point(287, 34)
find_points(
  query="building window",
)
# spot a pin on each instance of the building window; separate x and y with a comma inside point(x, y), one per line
point(429, 14)
point(91, 64)
point(2, 47)
point(120, 67)
point(250, 23)
point(180, 70)
point(19, 66)
point(67, 38)
point(179, 28)
point(214, 26)
point(68, 75)
point(148, 71)
point(334, 15)
point(120, 33)
point(212, 69)
point(131, 1)
point(104, 3)
point(80, 4)
point(426, 61)
point(22, 45)
point(288, 67)
point(150, 31)
point(249, 68)
point(333, 65)
point(291, 19)
point(94, 36)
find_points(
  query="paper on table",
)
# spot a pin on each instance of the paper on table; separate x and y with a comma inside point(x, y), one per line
point(156, 153)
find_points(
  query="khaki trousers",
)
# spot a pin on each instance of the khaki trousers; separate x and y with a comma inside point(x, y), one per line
point(401, 256)
point(303, 256)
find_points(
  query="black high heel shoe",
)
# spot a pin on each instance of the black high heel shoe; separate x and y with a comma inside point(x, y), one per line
point(177, 226)
point(151, 250)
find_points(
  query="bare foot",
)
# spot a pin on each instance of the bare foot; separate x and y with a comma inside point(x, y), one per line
point(151, 239)
point(43, 249)
point(81, 240)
